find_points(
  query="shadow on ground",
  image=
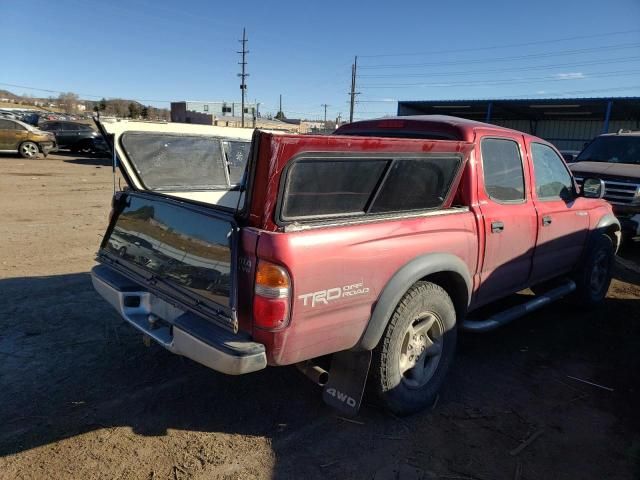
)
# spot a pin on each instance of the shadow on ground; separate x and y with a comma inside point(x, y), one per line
point(69, 365)
point(92, 158)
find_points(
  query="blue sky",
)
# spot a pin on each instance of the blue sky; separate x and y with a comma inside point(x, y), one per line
point(158, 51)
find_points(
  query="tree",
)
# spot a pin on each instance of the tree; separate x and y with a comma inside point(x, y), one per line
point(144, 113)
point(68, 101)
point(134, 111)
point(280, 115)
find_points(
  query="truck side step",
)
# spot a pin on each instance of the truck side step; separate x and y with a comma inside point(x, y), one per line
point(510, 314)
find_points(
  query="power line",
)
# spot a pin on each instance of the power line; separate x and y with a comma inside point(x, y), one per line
point(507, 81)
point(502, 70)
point(497, 47)
point(503, 59)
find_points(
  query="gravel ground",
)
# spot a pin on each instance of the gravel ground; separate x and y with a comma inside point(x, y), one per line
point(82, 398)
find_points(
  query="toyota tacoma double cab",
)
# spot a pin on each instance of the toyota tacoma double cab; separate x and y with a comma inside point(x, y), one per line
point(356, 256)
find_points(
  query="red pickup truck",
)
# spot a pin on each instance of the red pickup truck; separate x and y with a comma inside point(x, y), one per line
point(356, 256)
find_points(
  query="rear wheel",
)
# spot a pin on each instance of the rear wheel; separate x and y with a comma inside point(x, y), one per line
point(83, 146)
point(28, 150)
point(416, 350)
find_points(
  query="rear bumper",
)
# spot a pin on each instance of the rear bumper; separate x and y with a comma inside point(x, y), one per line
point(180, 332)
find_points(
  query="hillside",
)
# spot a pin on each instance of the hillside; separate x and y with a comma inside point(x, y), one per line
point(71, 103)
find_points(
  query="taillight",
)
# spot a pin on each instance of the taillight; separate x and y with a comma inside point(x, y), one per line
point(271, 299)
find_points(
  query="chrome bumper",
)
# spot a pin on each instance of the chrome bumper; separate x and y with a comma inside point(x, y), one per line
point(182, 333)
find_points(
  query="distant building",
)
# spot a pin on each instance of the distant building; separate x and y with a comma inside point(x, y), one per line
point(566, 122)
point(205, 112)
point(307, 126)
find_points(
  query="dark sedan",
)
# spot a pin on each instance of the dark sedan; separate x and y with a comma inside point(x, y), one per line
point(77, 137)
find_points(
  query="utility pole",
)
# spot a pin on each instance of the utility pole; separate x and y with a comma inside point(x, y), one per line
point(325, 113)
point(280, 109)
point(243, 75)
point(353, 93)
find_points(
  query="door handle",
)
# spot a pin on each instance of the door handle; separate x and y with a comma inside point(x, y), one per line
point(546, 220)
point(497, 227)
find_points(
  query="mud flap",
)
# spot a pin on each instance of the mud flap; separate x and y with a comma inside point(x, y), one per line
point(347, 379)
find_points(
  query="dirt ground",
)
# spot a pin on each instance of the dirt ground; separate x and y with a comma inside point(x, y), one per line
point(82, 398)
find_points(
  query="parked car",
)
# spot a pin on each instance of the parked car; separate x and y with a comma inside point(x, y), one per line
point(370, 247)
point(25, 139)
point(77, 137)
point(569, 155)
point(615, 158)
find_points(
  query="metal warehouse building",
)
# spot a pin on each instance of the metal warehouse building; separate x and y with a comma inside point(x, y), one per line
point(567, 122)
point(199, 112)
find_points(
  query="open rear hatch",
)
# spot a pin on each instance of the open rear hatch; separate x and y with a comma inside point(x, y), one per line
point(202, 163)
point(174, 231)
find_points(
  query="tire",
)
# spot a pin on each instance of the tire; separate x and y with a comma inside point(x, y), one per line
point(28, 150)
point(424, 322)
point(83, 146)
point(594, 275)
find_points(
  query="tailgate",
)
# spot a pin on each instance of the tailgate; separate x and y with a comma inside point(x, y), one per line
point(182, 252)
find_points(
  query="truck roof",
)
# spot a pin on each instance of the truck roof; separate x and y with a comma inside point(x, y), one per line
point(622, 133)
point(436, 127)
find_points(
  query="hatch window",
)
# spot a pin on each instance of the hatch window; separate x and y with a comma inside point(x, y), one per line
point(168, 162)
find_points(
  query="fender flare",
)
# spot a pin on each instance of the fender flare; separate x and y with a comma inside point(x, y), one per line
point(402, 280)
point(609, 222)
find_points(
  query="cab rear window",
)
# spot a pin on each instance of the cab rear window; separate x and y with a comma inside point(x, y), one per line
point(317, 187)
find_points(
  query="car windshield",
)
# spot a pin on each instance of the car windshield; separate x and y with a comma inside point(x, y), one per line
point(612, 149)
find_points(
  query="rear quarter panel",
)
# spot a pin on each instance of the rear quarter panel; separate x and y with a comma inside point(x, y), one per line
point(333, 262)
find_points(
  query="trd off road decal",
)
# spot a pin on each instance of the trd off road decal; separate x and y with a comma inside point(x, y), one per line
point(332, 294)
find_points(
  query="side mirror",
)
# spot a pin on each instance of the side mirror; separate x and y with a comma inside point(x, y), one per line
point(593, 188)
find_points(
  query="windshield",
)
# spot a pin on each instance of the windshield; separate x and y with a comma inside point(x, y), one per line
point(168, 161)
point(612, 149)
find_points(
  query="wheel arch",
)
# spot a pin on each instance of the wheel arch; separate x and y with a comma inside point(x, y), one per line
point(443, 269)
point(610, 226)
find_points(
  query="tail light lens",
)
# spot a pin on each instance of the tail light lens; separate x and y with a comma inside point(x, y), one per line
point(272, 294)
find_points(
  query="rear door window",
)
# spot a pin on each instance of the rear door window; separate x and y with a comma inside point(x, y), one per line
point(317, 188)
point(6, 125)
point(503, 173)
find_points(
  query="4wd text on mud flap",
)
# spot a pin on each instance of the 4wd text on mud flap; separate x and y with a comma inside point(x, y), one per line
point(326, 296)
point(343, 397)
